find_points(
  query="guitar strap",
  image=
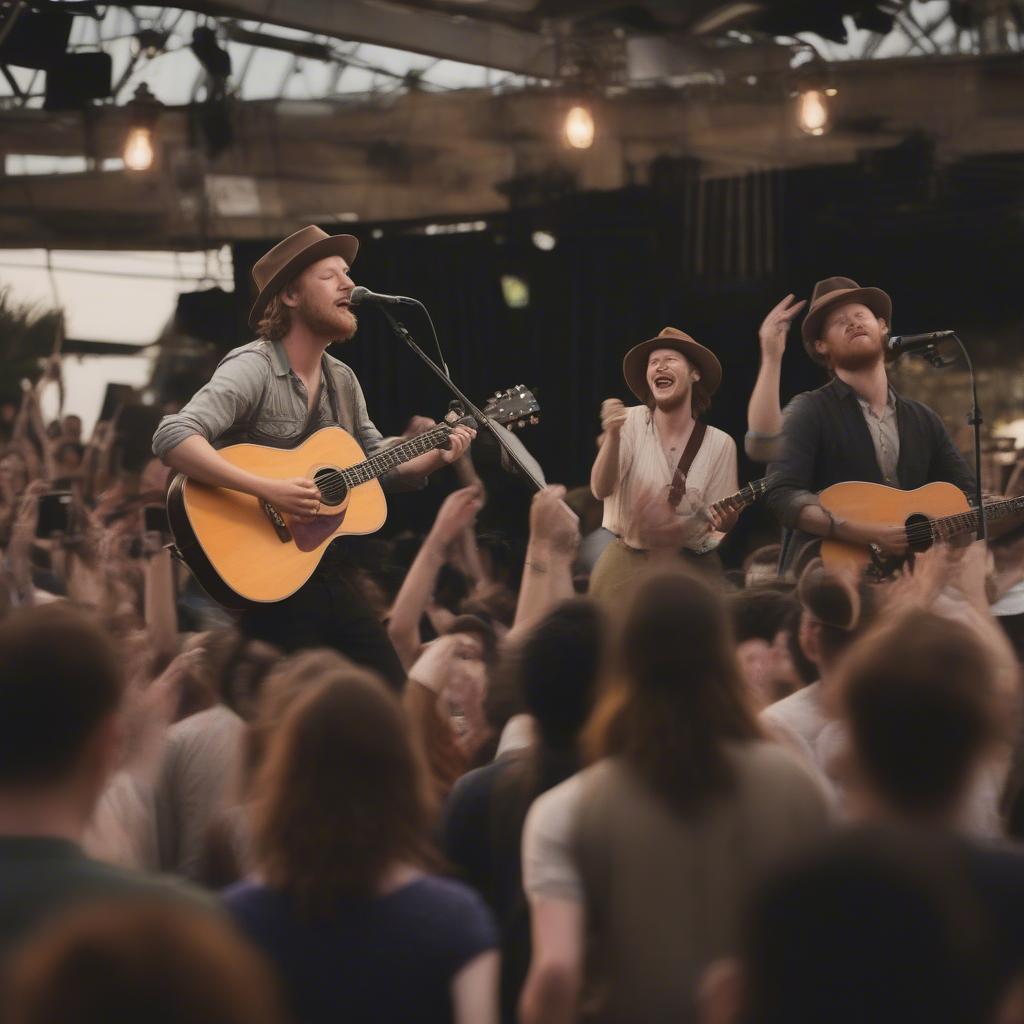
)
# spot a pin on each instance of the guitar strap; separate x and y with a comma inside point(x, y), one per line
point(678, 488)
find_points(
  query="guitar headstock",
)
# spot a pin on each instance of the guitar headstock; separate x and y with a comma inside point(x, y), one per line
point(758, 488)
point(514, 407)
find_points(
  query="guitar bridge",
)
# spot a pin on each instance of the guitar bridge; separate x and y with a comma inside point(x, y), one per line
point(284, 535)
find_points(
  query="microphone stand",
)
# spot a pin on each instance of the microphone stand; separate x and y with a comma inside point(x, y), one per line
point(975, 421)
point(503, 438)
point(933, 356)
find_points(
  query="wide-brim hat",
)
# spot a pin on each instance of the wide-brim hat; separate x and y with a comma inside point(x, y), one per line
point(287, 259)
point(634, 365)
point(837, 291)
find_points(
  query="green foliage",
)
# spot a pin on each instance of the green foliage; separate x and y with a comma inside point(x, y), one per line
point(26, 336)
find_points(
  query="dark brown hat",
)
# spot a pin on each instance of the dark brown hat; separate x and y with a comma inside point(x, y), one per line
point(287, 259)
point(634, 365)
point(836, 291)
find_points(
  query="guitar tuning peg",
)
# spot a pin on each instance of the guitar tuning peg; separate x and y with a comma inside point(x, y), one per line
point(497, 394)
point(520, 424)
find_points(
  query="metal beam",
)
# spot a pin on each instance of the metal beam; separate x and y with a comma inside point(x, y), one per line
point(466, 39)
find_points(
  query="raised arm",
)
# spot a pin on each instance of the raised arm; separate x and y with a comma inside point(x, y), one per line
point(456, 514)
point(604, 476)
point(547, 571)
point(764, 413)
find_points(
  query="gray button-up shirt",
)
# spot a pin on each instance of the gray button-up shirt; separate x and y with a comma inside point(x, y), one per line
point(254, 396)
point(885, 436)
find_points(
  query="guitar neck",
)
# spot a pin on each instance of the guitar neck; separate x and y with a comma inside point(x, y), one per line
point(743, 497)
point(395, 456)
point(947, 526)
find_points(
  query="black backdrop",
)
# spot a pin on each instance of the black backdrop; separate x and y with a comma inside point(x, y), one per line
point(710, 259)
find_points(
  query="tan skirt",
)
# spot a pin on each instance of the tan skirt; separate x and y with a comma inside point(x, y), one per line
point(620, 568)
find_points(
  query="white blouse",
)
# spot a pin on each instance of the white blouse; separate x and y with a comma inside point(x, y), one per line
point(644, 469)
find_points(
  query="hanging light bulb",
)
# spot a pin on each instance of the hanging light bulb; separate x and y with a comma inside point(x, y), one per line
point(579, 127)
point(812, 114)
point(138, 149)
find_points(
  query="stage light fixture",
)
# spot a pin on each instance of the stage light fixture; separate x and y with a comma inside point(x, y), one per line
point(579, 127)
point(139, 149)
point(812, 114)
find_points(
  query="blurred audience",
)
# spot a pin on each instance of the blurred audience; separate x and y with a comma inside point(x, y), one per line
point(634, 868)
point(141, 961)
point(346, 907)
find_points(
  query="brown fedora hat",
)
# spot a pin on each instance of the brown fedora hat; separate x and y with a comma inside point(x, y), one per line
point(836, 291)
point(287, 259)
point(634, 365)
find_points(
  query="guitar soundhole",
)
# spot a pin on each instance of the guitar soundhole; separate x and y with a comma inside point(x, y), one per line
point(919, 532)
point(333, 491)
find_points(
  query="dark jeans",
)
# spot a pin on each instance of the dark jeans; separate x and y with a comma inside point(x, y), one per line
point(330, 610)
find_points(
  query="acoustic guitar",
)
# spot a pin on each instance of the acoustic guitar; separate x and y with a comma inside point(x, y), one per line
point(241, 549)
point(937, 511)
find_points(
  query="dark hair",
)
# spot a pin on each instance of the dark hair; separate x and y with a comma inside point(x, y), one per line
point(151, 961)
point(919, 697)
point(341, 793)
point(872, 926)
point(60, 677)
point(558, 665)
point(767, 554)
point(842, 609)
point(680, 694)
point(758, 614)
point(805, 668)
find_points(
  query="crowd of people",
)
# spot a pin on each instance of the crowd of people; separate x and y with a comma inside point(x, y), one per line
point(747, 798)
point(584, 774)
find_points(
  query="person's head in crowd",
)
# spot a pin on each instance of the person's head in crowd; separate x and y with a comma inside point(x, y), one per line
point(758, 615)
point(872, 926)
point(502, 557)
point(71, 428)
point(60, 693)
point(760, 567)
point(141, 961)
point(68, 457)
point(920, 700)
point(231, 671)
point(54, 430)
point(341, 796)
point(789, 652)
point(677, 695)
point(835, 611)
point(285, 681)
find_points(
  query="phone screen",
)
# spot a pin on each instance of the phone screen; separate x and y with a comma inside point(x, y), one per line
point(54, 513)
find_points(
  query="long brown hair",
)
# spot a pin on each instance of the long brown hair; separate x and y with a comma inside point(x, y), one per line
point(341, 794)
point(676, 696)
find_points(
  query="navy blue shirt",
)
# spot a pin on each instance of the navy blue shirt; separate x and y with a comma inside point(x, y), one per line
point(389, 959)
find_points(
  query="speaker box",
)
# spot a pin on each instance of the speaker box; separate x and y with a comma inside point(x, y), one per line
point(76, 79)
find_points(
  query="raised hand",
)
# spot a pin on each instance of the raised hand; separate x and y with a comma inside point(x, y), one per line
point(613, 415)
point(552, 521)
point(457, 511)
point(775, 327)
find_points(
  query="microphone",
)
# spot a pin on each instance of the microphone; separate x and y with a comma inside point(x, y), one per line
point(361, 294)
point(900, 343)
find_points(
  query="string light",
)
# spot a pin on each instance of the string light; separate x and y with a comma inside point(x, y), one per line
point(579, 127)
point(812, 112)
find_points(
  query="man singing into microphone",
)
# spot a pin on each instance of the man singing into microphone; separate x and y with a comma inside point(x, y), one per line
point(856, 427)
point(278, 390)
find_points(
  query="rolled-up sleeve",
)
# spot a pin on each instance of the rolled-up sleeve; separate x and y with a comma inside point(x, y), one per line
point(791, 474)
point(232, 396)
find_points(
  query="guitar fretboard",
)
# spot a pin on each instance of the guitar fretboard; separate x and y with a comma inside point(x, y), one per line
point(744, 496)
point(948, 526)
point(388, 459)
